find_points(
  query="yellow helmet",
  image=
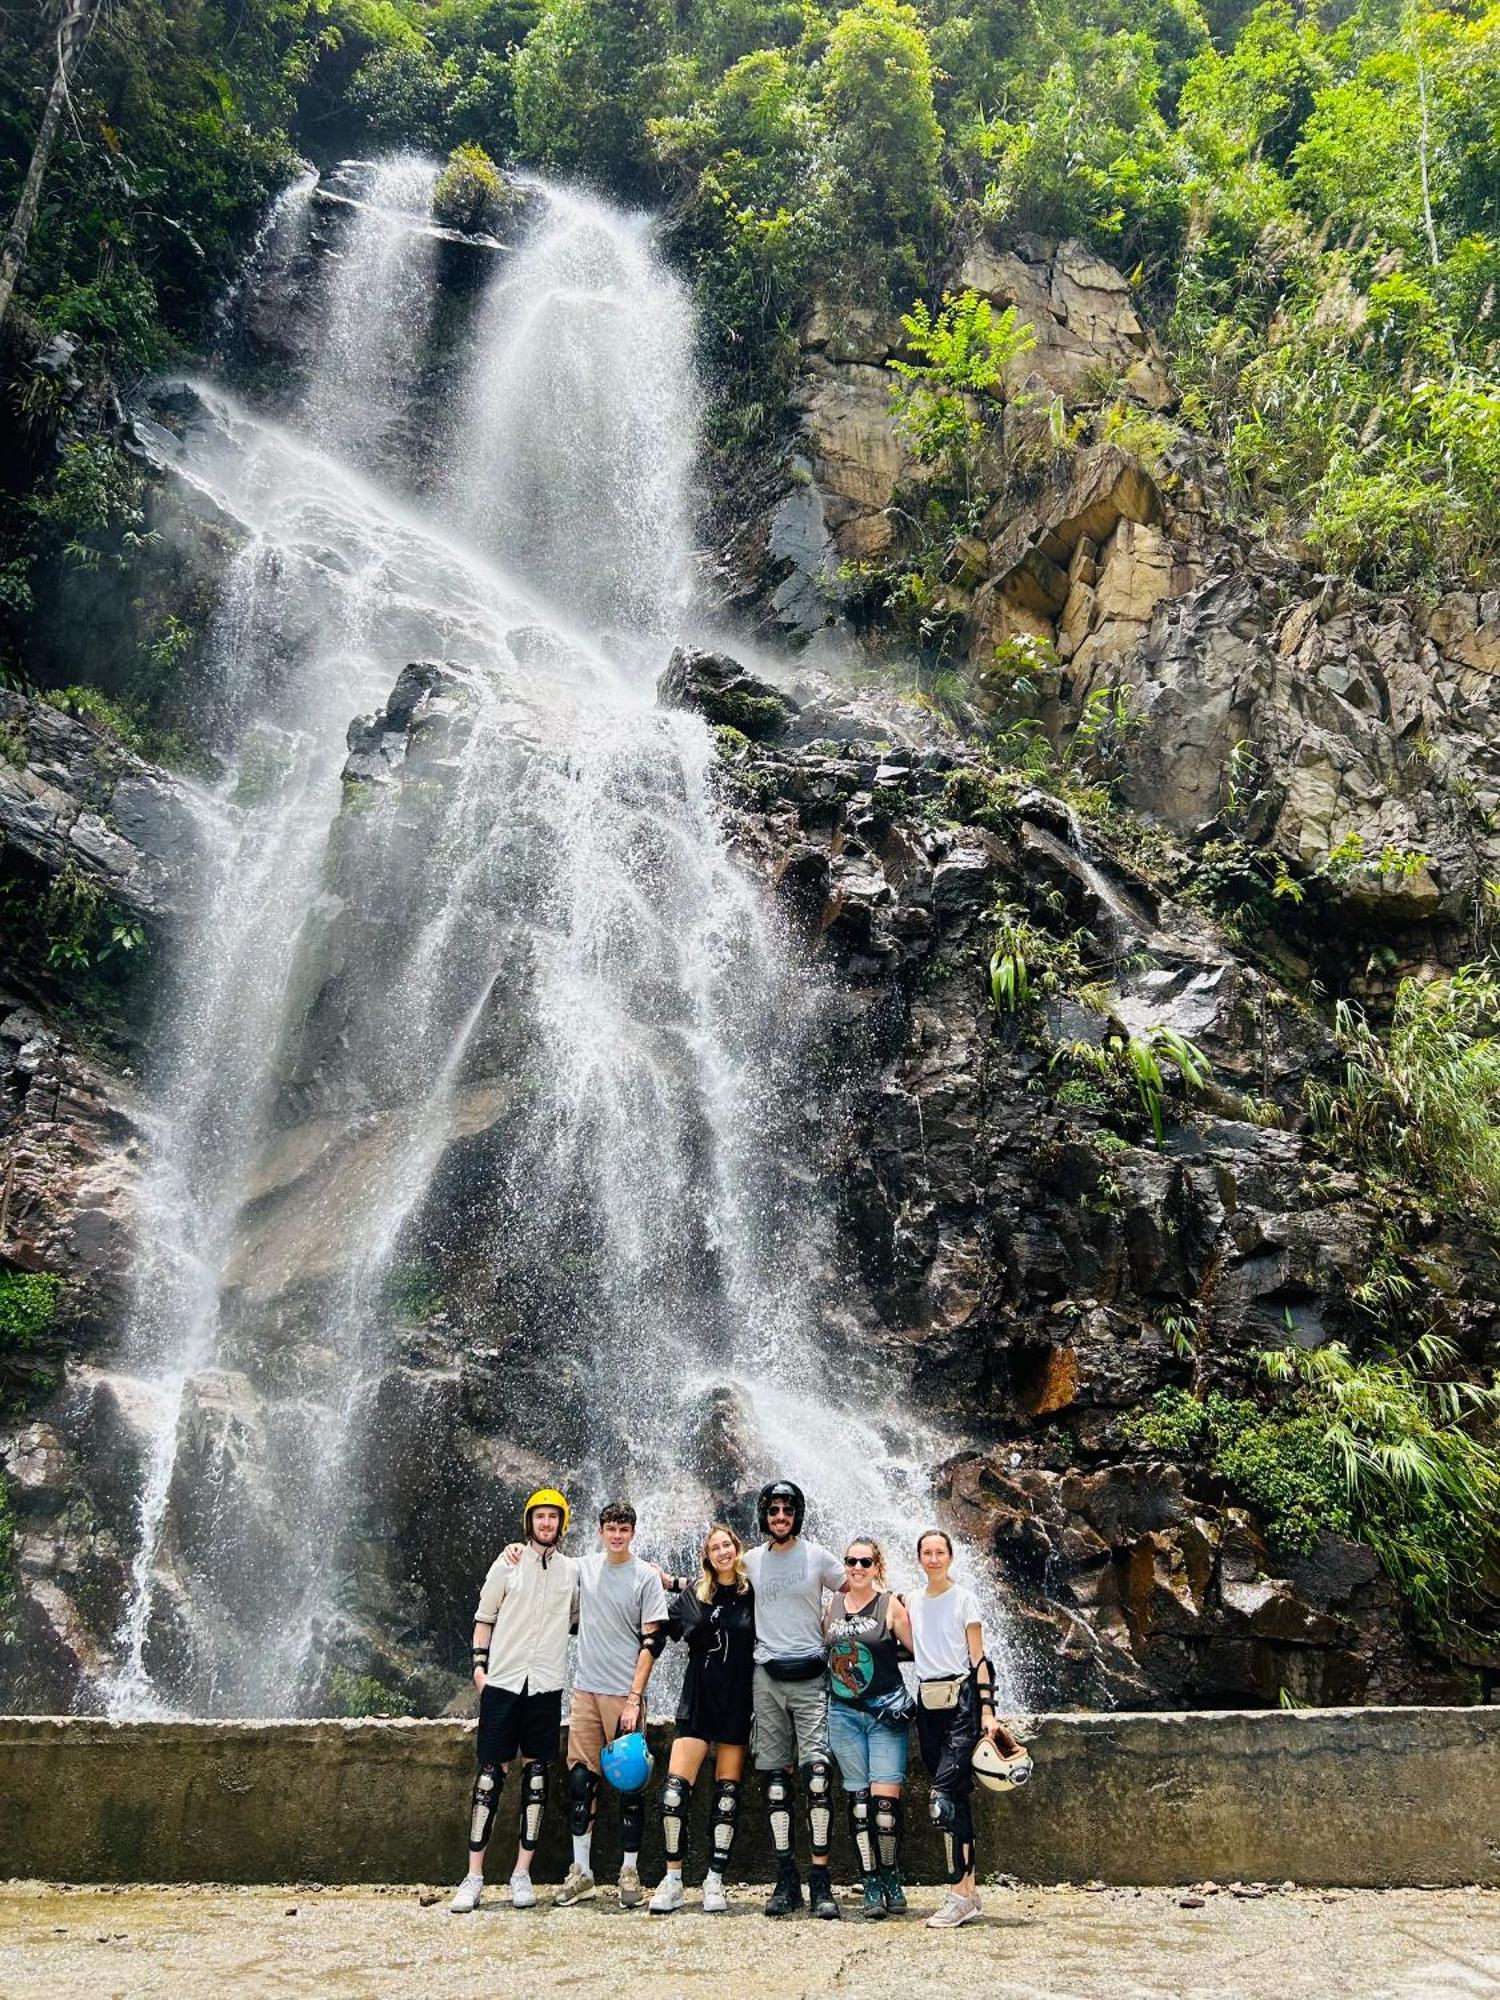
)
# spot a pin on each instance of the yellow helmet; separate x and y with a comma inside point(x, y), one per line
point(545, 1496)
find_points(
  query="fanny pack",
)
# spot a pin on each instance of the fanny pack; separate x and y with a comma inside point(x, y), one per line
point(801, 1667)
point(942, 1693)
point(894, 1708)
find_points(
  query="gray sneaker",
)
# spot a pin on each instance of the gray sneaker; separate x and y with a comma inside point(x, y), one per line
point(522, 1894)
point(466, 1896)
point(955, 1911)
point(577, 1884)
point(630, 1888)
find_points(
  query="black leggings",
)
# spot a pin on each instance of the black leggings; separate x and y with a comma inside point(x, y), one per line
point(946, 1738)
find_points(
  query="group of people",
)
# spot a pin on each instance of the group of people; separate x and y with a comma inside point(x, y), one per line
point(790, 1650)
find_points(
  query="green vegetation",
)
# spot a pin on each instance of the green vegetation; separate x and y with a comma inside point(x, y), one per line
point(469, 193)
point(28, 1313)
point(1396, 1449)
point(1423, 1103)
point(362, 1694)
point(28, 1308)
point(414, 1290)
point(1306, 201)
point(1139, 1062)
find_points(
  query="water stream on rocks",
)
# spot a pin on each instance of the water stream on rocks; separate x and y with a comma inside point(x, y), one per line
point(496, 1033)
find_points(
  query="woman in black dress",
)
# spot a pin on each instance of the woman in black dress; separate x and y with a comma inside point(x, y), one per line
point(715, 1615)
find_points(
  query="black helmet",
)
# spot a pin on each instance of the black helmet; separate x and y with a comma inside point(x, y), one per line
point(780, 1489)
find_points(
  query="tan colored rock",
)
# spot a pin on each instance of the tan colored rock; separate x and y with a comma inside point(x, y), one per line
point(1089, 338)
point(1465, 628)
point(856, 454)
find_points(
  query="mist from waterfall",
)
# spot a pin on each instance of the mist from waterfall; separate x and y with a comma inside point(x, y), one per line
point(540, 950)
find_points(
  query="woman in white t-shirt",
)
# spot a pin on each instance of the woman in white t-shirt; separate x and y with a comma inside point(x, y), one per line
point(955, 1707)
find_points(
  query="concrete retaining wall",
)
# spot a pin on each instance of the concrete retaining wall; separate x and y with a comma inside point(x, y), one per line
point(1356, 1796)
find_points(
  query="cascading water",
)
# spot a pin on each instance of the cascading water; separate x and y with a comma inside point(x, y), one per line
point(510, 1041)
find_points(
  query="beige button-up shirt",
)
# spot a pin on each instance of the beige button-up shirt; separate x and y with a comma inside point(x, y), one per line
point(532, 1606)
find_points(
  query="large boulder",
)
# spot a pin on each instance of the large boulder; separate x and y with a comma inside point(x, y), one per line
point(723, 693)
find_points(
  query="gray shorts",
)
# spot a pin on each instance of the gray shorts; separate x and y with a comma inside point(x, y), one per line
point(790, 1722)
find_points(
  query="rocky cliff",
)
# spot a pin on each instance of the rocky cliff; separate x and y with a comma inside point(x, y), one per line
point(1015, 1239)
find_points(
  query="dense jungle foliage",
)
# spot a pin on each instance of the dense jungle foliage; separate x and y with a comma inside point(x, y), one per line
point(1308, 199)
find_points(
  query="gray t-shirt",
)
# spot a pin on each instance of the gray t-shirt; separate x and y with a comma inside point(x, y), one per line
point(789, 1586)
point(614, 1601)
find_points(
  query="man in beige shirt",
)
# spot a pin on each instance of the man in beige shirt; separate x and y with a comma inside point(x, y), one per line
point(520, 1655)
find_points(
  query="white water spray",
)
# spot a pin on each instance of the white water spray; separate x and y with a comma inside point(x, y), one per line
point(539, 945)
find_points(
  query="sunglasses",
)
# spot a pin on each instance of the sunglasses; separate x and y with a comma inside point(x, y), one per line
point(772, 1512)
point(859, 1562)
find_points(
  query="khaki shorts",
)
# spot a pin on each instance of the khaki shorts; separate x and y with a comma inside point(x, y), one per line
point(592, 1722)
point(791, 1721)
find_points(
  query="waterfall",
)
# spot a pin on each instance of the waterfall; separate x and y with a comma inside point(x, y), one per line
point(488, 1084)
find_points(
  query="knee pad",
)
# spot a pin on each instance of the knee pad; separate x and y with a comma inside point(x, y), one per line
point(818, 1776)
point(888, 1819)
point(779, 1795)
point(486, 1802)
point(941, 1810)
point(632, 1821)
point(958, 1841)
point(533, 1800)
point(676, 1796)
point(862, 1830)
point(583, 1790)
point(725, 1816)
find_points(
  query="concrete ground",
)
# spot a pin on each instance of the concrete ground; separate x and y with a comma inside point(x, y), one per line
point(1032, 1944)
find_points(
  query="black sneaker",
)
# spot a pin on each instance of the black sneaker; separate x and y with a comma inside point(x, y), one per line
point(892, 1891)
point(874, 1901)
point(787, 1895)
point(820, 1894)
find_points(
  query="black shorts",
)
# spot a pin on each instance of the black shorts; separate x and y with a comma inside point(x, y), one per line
point(510, 1722)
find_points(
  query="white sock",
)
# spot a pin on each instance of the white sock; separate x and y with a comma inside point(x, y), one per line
point(630, 1860)
point(582, 1843)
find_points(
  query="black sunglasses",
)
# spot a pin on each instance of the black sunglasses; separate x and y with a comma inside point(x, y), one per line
point(859, 1562)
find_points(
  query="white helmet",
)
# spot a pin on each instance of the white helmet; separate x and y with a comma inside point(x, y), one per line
point(998, 1772)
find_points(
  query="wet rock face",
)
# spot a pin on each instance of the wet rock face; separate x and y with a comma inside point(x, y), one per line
point(1027, 1267)
point(71, 798)
point(719, 689)
point(1008, 1255)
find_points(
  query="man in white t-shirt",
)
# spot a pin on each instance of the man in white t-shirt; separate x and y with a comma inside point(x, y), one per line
point(520, 1659)
point(789, 1576)
point(621, 1609)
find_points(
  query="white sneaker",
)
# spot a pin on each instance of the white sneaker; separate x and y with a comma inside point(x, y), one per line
point(714, 1899)
point(957, 1910)
point(466, 1896)
point(577, 1884)
point(522, 1895)
point(668, 1895)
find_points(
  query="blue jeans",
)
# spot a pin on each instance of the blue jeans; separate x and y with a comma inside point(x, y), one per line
point(869, 1751)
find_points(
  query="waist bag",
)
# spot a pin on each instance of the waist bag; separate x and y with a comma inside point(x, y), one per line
point(800, 1667)
point(943, 1693)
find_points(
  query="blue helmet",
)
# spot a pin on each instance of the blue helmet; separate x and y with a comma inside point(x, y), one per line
point(627, 1763)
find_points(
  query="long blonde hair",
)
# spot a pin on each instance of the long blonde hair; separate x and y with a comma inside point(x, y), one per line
point(708, 1580)
point(877, 1574)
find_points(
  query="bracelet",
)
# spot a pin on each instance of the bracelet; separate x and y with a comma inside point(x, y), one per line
point(479, 1656)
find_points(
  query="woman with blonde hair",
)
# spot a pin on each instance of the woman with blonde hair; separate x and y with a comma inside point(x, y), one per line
point(715, 1615)
point(869, 1716)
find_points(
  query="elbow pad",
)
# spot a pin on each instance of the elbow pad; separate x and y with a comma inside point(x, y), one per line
point(655, 1642)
